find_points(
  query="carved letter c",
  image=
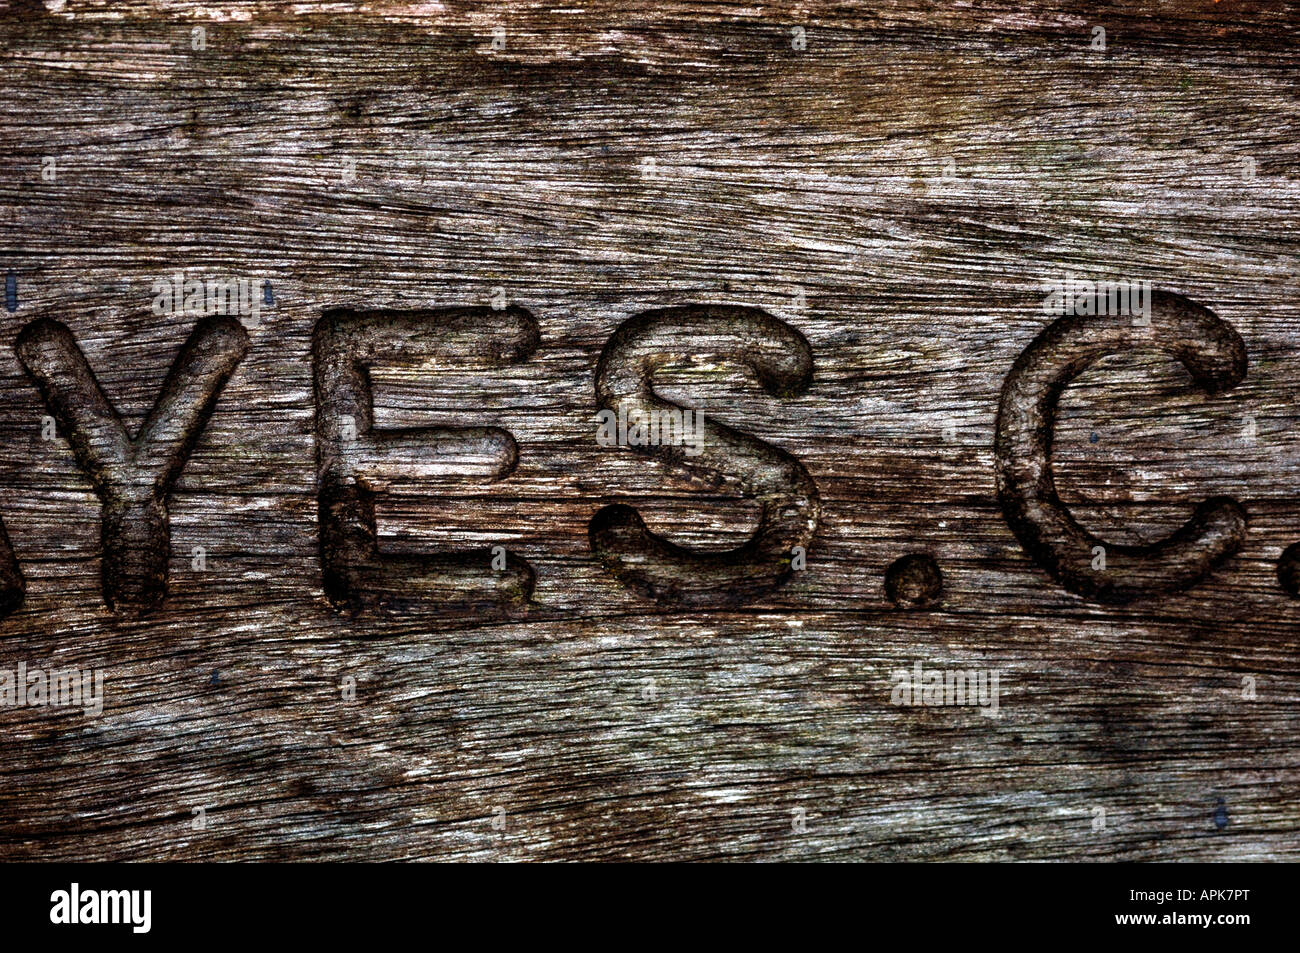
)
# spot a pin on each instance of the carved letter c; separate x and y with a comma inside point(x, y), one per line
point(1215, 355)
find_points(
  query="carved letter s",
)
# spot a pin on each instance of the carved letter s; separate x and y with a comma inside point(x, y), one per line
point(780, 357)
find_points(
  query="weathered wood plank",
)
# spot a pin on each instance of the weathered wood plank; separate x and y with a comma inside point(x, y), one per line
point(602, 164)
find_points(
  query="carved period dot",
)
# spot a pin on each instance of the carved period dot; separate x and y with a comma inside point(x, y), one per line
point(914, 581)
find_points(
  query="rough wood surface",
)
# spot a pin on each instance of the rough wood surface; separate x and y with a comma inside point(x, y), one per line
point(604, 161)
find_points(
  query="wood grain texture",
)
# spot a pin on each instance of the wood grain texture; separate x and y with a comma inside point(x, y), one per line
point(609, 160)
